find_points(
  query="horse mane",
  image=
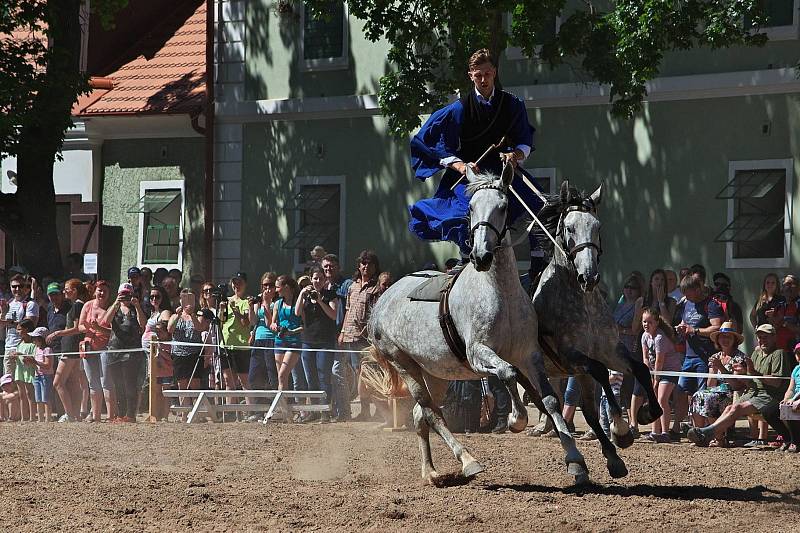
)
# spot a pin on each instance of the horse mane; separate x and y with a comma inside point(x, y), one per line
point(482, 180)
point(550, 214)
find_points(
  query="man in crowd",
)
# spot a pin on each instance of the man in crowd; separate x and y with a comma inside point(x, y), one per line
point(791, 317)
point(722, 294)
point(139, 290)
point(698, 315)
point(341, 362)
point(763, 395)
point(13, 312)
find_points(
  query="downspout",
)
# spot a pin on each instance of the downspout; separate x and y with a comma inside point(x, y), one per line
point(208, 196)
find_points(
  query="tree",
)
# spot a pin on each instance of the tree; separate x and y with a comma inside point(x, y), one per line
point(621, 44)
point(40, 80)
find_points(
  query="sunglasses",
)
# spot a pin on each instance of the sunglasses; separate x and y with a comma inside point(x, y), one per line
point(155, 296)
point(16, 287)
point(207, 290)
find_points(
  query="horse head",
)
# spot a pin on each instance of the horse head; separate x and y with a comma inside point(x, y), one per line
point(488, 210)
point(579, 233)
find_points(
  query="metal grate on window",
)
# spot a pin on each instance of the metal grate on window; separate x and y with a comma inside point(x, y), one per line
point(750, 228)
point(751, 184)
point(324, 38)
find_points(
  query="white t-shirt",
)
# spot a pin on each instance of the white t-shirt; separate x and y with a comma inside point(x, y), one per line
point(18, 311)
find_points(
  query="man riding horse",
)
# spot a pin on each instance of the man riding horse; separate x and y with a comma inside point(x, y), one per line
point(472, 131)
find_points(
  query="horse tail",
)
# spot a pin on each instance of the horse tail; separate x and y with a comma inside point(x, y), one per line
point(395, 386)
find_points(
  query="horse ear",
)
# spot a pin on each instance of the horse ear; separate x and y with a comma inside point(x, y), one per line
point(508, 174)
point(564, 194)
point(470, 175)
point(595, 197)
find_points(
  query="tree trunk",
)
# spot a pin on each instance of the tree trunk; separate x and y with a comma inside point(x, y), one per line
point(29, 216)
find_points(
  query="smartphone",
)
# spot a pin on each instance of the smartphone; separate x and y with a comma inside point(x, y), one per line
point(187, 299)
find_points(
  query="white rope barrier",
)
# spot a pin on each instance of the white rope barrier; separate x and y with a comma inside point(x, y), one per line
point(709, 375)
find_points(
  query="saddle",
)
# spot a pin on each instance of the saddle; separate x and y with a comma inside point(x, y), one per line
point(437, 289)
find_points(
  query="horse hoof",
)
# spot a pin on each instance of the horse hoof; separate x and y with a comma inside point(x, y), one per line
point(518, 425)
point(617, 469)
point(623, 441)
point(647, 415)
point(472, 469)
point(431, 478)
point(579, 472)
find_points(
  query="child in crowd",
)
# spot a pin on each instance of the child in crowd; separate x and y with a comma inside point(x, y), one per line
point(9, 395)
point(659, 354)
point(24, 370)
point(45, 372)
point(163, 371)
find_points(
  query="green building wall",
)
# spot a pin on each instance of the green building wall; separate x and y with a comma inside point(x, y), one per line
point(126, 164)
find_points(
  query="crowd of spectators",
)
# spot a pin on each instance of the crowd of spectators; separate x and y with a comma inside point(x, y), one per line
point(309, 333)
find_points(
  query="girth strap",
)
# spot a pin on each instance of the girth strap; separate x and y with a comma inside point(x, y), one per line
point(451, 336)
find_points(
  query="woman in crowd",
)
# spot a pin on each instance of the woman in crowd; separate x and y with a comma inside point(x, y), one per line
point(655, 296)
point(127, 320)
point(362, 295)
point(659, 354)
point(707, 404)
point(96, 335)
point(316, 306)
point(159, 304)
point(792, 399)
point(286, 326)
point(186, 326)
point(263, 372)
point(769, 300)
point(70, 381)
point(240, 317)
point(623, 317)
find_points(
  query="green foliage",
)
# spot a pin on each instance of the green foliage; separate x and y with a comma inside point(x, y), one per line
point(37, 81)
point(620, 43)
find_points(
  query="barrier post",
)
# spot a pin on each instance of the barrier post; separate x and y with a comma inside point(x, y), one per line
point(152, 390)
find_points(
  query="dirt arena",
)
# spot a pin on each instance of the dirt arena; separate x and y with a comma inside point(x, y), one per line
point(348, 477)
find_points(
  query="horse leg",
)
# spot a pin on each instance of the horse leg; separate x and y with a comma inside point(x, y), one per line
point(429, 473)
point(647, 414)
point(620, 430)
point(437, 388)
point(487, 361)
point(546, 400)
point(616, 466)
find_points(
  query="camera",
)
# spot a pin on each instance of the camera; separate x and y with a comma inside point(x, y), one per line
point(282, 332)
point(313, 295)
point(254, 299)
point(220, 291)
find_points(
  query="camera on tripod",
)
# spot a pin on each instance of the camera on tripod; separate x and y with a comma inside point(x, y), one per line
point(220, 291)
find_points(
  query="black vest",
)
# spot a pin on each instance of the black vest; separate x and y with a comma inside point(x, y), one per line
point(483, 125)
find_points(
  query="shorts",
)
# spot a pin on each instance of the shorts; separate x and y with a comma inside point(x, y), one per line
point(94, 372)
point(237, 360)
point(689, 384)
point(105, 376)
point(186, 367)
point(760, 399)
point(43, 388)
point(668, 379)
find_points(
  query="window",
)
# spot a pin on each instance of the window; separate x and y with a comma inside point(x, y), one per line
point(324, 41)
point(547, 35)
point(160, 208)
point(319, 217)
point(758, 233)
point(782, 19)
point(544, 181)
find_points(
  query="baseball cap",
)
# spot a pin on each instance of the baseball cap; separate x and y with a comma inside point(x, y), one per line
point(6, 379)
point(134, 271)
point(53, 288)
point(766, 328)
point(240, 275)
point(125, 288)
point(39, 332)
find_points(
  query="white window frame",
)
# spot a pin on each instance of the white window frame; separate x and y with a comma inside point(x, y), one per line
point(788, 32)
point(776, 262)
point(514, 53)
point(144, 187)
point(550, 173)
point(326, 63)
point(301, 181)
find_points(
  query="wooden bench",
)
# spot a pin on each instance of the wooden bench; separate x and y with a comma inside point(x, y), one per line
point(203, 403)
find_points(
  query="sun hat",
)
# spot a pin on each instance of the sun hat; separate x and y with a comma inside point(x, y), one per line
point(728, 328)
point(39, 332)
point(766, 328)
point(53, 288)
point(6, 379)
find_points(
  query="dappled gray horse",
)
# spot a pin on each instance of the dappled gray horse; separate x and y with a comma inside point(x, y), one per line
point(576, 328)
point(492, 315)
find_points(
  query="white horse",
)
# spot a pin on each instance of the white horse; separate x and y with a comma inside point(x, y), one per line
point(491, 313)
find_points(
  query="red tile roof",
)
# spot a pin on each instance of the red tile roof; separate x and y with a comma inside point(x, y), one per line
point(168, 73)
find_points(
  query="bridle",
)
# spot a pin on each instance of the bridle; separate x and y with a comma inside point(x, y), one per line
point(485, 223)
point(587, 206)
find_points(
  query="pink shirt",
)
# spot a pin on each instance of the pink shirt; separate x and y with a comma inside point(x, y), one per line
point(44, 355)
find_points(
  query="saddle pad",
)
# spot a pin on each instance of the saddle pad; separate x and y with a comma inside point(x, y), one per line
point(431, 289)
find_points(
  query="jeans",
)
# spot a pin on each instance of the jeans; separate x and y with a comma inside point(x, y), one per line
point(502, 399)
point(605, 410)
point(690, 385)
point(572, 394)
point(340, 386)
point(125, 375)
point(317, 366)
point(263, 373)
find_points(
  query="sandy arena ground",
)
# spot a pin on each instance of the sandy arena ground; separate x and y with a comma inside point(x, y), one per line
point(352, 477)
